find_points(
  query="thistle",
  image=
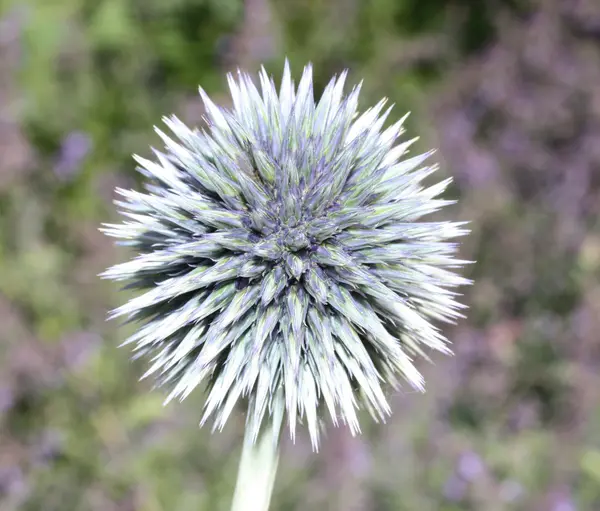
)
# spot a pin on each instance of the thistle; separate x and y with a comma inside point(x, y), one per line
point(282, 258)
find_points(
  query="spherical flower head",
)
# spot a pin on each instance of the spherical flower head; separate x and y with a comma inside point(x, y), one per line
point(282, 258)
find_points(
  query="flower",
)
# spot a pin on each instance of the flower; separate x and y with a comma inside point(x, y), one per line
point(282, 258)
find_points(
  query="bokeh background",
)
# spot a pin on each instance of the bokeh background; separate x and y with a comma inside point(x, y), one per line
point(510, 93)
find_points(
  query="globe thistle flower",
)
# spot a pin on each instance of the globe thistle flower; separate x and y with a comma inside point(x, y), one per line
point(282, 256)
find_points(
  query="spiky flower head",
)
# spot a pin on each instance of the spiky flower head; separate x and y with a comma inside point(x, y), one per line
point(282, 258)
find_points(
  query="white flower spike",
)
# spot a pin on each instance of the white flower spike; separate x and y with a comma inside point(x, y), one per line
point(282, 257)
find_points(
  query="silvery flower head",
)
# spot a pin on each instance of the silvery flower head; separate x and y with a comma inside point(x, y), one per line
point(282, 256)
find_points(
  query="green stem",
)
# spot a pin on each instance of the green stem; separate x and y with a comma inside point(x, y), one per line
point(258, 466)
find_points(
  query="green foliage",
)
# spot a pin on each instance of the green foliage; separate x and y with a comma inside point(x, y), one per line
point(507, 424)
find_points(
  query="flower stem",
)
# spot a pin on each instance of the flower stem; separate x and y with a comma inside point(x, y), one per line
point(258, 466)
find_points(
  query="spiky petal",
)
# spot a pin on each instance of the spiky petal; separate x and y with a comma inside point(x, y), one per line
point(282, 256)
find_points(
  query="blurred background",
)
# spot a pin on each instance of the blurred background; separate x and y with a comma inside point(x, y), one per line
point(509, 90)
